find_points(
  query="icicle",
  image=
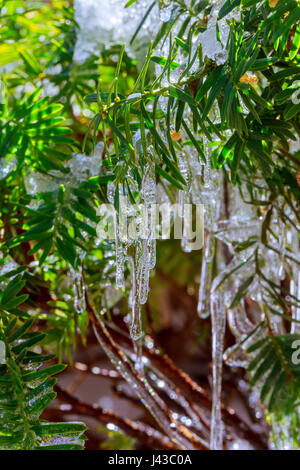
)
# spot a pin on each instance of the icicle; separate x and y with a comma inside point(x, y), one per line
point(222, 293)
point(135, 329)
point(281, 247)
point(245, 324)
point(140, 267)
point(184, 199)
point(144, 269)
point(111, 192)
point(120, 264)
point(146, 248)
point(185, 245)
point(204, 287)
point(149, 197)
point(152, 261)
point(295, 290)
point(120, 257)
point(79, 290)
point(186, 173)
point(218, 318)
point(138, 352)
point(148, 183)
point(240, 323)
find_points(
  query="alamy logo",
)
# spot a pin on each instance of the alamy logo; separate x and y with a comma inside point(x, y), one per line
point(296, 354)
point(2, 92)
point(155, 221)
point(2, 353)
point(296, 94)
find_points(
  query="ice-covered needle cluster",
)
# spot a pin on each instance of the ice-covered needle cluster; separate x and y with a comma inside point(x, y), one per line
point(212, 47)
point(138, 252)
point(103, 23)
point(80, 166)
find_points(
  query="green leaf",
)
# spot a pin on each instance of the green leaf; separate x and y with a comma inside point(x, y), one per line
point(215, 91)
point(163, 61)
point(291, 111)
point(292, 18)
point(129, 3)
point(210, 80)
point(66, 429)
point(11, 304)
point(168, 177)
point(237, 155)
point(43, 373)
point(228, 6)
point(20, 331)
point(142, 22)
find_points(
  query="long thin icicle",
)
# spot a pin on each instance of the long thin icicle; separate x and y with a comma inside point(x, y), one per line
point(218, 321)
point(203, 308)
point(79, 290)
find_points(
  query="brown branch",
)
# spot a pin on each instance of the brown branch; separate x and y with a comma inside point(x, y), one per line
point(144, 433)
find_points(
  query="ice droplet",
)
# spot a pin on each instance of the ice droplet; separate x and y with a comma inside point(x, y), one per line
point(79, 289)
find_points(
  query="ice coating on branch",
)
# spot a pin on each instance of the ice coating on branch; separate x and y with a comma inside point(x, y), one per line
point(168, 10)
point(103, 23)
point(143, 390)
point(81, 168)
point(84, 166)
point(162, 382)
point(211, 46)
point(165, 9)
point(7, 165)
point(36, 182)
point(6, 266)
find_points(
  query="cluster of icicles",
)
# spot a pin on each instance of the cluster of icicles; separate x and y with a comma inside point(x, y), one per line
point(234, 224)
point(206, 186)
